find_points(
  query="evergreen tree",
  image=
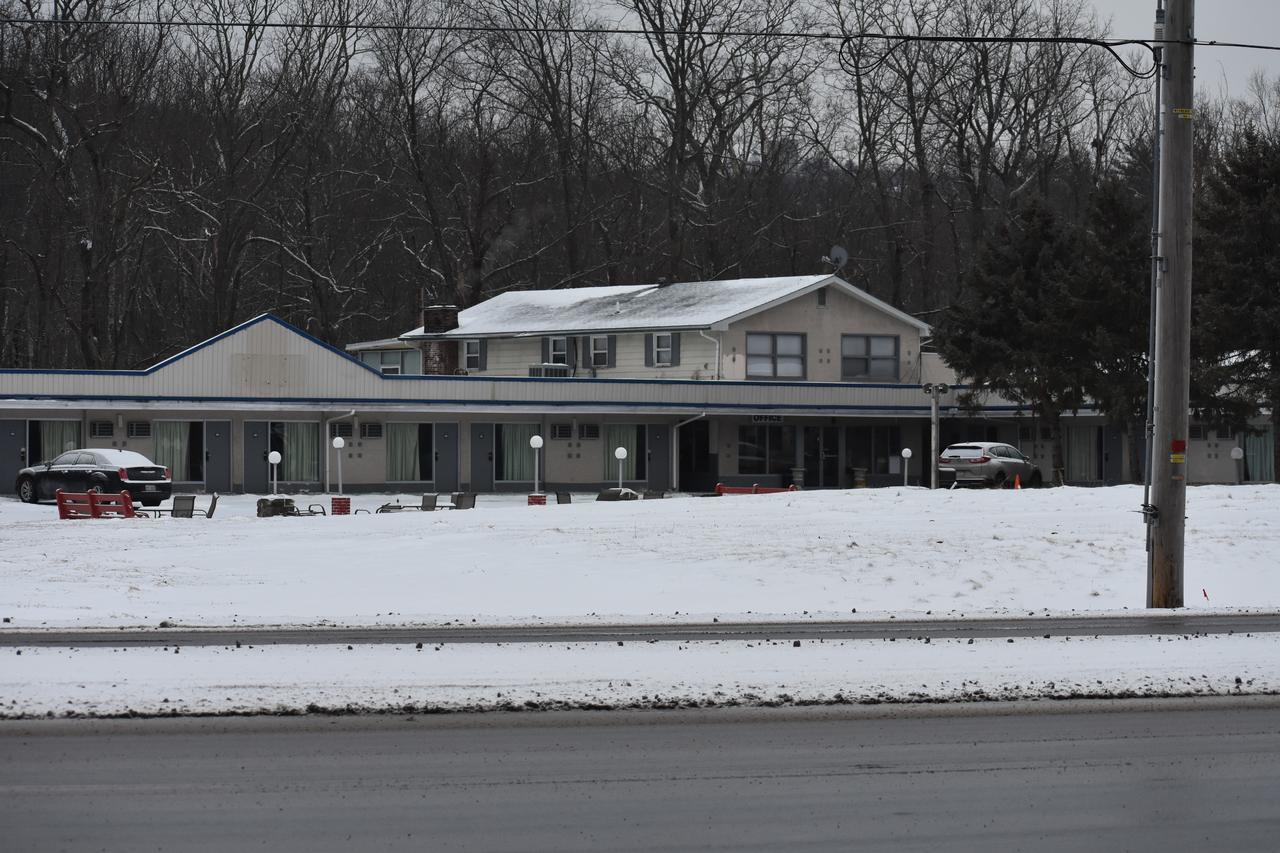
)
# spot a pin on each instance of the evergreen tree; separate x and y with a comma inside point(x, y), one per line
point(1118, 280)
point(1021, 326)
point(1237, 283)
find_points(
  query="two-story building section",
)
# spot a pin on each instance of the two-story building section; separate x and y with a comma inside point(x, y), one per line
point(776, 381)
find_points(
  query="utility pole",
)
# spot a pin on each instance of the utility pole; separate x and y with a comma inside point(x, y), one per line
point(935, 390)
point(1167, 512)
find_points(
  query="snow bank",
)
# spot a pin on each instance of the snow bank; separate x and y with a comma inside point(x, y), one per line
point(278, 679)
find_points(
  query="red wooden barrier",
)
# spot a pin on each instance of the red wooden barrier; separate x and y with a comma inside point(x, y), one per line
point(756, 489)
point(94, 505)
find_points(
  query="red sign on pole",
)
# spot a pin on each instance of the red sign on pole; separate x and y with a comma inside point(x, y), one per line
point(1179, 445)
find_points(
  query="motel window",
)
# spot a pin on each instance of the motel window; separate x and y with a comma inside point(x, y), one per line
point(766, 449)
point(600, 351)
point(472, 355)
point(410, 452)
point(298, 443)
point(588, 432)
point(101, 429)
point(371, 430)
point(557, 352)
point(561, 432)
point(179, 447)
point(632, 437)
point(512, 455)
point(869, 357)
point(139, 429)
point(340, 429)
point(662, 350)
point(875, 448)
point(775, 356)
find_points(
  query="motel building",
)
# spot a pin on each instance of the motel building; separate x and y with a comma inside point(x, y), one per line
point(773, 381)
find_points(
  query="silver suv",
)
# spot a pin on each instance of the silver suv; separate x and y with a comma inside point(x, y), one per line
point(988, 463)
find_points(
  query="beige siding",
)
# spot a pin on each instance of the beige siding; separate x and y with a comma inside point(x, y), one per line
point(513, 356)
point(823, 326)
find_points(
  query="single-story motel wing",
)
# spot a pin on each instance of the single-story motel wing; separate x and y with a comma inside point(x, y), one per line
point(213, 413)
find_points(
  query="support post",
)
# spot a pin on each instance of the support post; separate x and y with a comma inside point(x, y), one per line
point(1173, 310)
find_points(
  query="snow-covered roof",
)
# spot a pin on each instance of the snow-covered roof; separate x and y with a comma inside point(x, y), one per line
point(384, 343)
point(682, 305)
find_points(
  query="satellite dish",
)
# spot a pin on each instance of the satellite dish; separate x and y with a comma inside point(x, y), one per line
point(837, 257)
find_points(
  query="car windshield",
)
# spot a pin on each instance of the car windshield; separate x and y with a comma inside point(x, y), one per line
point(964, 451)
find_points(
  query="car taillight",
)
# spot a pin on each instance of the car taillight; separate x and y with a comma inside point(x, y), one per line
point(981, 459)
point(167, 476)
point(123, 474)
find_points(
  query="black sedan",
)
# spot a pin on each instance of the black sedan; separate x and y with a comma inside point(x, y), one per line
point(104, 469)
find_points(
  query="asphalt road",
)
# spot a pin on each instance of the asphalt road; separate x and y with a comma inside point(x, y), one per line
point(1147, 623)
point(1191, 776)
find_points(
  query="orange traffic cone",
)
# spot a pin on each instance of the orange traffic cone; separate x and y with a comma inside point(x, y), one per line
point(1017, 481)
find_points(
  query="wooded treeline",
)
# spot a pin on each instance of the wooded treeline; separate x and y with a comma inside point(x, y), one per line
point(161, 183)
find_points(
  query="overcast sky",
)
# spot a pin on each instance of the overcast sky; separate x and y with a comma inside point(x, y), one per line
point(1218, 69)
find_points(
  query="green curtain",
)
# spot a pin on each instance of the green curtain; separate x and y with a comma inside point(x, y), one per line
point(517, 455)
point(1082, 454)
point(615, 436)
point(1259, 456)
point(301, 462)
point(173, 439)
point(58, 436)
point(402, 453)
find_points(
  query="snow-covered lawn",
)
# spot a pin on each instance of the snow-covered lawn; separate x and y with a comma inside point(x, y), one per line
point(795, 555)
point(863, 554)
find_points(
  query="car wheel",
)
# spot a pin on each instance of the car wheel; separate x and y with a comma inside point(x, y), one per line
point(1036, 480)
point(27, 490)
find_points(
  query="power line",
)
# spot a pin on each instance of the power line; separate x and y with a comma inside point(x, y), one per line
point(1110, 45)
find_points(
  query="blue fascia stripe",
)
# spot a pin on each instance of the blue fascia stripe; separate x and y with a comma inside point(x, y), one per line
point(285, 402)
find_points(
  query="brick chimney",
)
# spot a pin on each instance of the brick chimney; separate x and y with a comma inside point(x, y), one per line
point(439, 357)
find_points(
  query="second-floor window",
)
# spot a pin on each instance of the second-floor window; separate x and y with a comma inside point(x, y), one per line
point(600, 351)
point(557, 350)
point(869, 357)
point(471, 355)
point(775, 356)
point(393, 361)
point(662, 350)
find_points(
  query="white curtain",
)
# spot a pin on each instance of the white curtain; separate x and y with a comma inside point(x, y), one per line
point(1259, 456)
point(620, 435)
point(1082, 454)
point(517, 455)
point(301, 462)
point(173, 440)
point(57, 437)
point(402, 452)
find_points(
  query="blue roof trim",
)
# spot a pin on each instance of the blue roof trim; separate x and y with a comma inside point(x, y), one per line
point(284, 402)
point(234, 330)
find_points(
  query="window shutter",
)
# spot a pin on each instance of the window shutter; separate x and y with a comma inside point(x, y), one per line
point(613, 351)
point(648, 350)
point(484, 354)
point(546, 350)
point(675, 348)
point(584, 351)
point(571, 351)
